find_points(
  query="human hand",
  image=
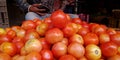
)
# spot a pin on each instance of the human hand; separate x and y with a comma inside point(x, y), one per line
point(34, 8)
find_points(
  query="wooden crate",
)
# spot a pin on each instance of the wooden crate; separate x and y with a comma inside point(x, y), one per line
point(4, 20)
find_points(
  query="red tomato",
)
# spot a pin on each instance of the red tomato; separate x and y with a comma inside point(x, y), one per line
point(115, 38)
point(104, 37)
point(83, 58)
point(5, 38)
point(18, 57)
point(67, 57)
point(98, 30)
point(76, 49)
point(109, 49)
point(42, 28)
point(48, 21)
point(59, 19)
point(70, 29)
point(28, 24)
point(65, 41)
point(33, 56)
point(4, 56)
point(11, 33)
point(54, 35)
point(9, 48)
point(111, 31)
point(85, 24)
point(37, 21)
point(30, 34)
point(19, 45)
point(45, 44)
point(77, 20)
point(115, 57)
point(93, 52)
point(46, 55)
point(91, 38)
point(33, 45)
point(76, 38)
point(83, 31)
point(59, 49)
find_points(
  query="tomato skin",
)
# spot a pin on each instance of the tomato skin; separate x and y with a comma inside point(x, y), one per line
point(104, 37)
point(5, 38)
point(4, 56)
point(2, 31)
point(59, 49)
point(46, 54)
point(45, 44)
point(9, 48)
point(67, 57)
point(76, 38)
point(92, 52)
point(83, 31)
point(59, 19)
point(33, 56)
point(91, 38)
point(109, 49)
point(115, 57)
point(42, 28)
point(76, 49)
point(115, 38)
point(54, 35)
point(77, 20)
point(11, 33)
point(28, 24)
point(33, 45)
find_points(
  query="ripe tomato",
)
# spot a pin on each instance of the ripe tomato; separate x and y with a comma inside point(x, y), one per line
point(76, 49)
point(65, 41)
point(46, 54)
point(115, 57)
point(91, 38)
point(42, 28)
point(33, 56)
point(111, 31)
point(83, 58)
point(83, 31)
point(54, 35)
point(98, 30)
point(104, 37)
point(30, 34)
point(28, 24)
point(5, 38)
point(45, 44)
point(115, 38)
point(37, 21)
point(18, 57)
point(9, 48)
point(70, 29)
point(59, 19)
point(4, 56)
point(11, 33)
point(67, 57)
point(93, 52)
point(33, 45)
point(109, 49)
point(77, 20)
point(76, 38)
point(59, 49)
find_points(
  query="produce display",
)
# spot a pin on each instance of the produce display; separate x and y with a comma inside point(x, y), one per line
point(59, 37)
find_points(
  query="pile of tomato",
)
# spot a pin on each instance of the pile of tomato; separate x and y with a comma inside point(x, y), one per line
point(59, 37)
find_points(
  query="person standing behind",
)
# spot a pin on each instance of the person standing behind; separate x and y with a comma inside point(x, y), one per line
point(42, 8)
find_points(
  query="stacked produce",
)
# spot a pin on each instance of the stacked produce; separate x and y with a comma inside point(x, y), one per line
point(59, 37)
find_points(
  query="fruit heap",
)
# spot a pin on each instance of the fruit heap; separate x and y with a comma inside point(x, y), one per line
point(59, 37)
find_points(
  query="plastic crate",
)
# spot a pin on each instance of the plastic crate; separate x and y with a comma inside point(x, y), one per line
point(4, 20)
